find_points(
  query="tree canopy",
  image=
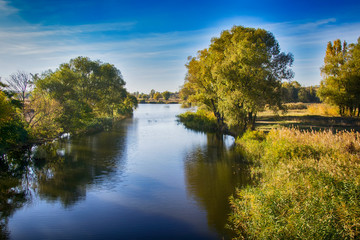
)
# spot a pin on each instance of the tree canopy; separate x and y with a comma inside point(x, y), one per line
point(237, 76)
point(85, 90)
point(341, 77)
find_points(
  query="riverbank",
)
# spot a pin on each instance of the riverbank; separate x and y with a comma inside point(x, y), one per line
point(317, 117)
point(153, 101)
point(308, 186)
point(38, 138)
point(199, 121)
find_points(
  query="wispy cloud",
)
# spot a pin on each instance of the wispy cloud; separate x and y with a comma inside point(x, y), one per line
point(156, 60)
point(6, 9)
point(308, 40)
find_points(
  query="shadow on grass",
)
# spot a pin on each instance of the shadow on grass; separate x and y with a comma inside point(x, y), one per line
point(308, 122)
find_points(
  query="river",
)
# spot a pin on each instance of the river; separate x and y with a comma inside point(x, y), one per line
point(149, 178)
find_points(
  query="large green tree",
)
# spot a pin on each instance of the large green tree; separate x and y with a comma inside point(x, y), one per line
point(86, 90)
point(237, 76)
point(341, 77)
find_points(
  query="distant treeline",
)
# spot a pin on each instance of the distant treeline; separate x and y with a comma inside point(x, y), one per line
point(293, 92)
point(158, 97)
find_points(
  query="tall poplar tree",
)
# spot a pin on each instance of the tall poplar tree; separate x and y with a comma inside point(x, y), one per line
point(341, 77)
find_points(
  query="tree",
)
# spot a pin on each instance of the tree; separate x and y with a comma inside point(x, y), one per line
point(12, 129)
point(85, 90)
point(341, 77)
point(201, 84)
point(290, 91)
point(237, 76)
point(43, 114)
point(157, 96)
point(166, 95)
point(20, 83)
point(152, 92)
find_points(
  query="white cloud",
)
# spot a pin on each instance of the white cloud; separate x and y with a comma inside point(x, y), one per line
point(156, 60)
point(6, 9)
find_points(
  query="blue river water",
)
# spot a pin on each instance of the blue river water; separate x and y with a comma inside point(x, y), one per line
point(149, 178)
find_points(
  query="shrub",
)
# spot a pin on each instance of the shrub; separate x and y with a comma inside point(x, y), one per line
point(200, 121)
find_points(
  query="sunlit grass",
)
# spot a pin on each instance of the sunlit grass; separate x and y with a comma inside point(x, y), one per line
point(200, 120)
point(309, 186)
point(313, 117)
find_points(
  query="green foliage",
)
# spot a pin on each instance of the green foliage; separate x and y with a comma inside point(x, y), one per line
point(200, 121)
point(157, 96)
point(43, 115)
point(251, 144)
point(166, 95)
point(309, 187)
point(85, 90)
point(126, 108)
point(341, 77)
point(12, 129)
point(294, 92)
point(237, 76)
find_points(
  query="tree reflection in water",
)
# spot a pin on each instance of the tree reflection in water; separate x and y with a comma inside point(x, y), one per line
point(213, 171)
point(79, 163)
point(61, 171)
point(14, 192)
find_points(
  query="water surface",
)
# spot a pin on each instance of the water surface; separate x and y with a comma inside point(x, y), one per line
point(150, 178)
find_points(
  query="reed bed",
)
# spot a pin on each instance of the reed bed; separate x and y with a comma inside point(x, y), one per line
point(309, 186)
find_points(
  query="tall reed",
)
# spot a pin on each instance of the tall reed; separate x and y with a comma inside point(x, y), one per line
point(309, 186)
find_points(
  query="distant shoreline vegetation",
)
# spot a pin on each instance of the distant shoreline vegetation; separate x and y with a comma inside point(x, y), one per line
point(155, 97)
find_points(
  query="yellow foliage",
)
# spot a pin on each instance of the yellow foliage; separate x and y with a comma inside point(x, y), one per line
point(43, 113)
point(323, 109)
point(6, 110)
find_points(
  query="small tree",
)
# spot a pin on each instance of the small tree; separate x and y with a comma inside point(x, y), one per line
point(157, 96)
point(152, 93)
point(20, 83)
point(166, 95)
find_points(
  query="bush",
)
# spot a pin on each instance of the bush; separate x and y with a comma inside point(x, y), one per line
point(200, 121)
point(323, 109)
point(251, 144)
point(309, 189)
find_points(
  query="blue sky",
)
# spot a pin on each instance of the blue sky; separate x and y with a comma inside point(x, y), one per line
point(149, 41)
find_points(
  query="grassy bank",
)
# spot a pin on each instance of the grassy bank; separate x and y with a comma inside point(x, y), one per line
point(199, 121)
point(309, 186)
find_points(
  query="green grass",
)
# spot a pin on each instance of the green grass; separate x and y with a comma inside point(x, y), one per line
point(308, 186)
point(314, 117)
point(199, 121)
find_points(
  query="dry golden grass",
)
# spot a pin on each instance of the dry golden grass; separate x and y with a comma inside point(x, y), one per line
point(315, 117)
point(309, 186)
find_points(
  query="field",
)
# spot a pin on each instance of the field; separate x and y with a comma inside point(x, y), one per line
point(308, 186)
point(307, 117)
